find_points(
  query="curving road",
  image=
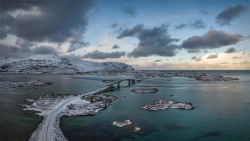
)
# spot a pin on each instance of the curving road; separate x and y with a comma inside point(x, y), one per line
point(47, 131)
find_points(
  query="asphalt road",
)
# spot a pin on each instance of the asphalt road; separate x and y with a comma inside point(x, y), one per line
point(47, 132)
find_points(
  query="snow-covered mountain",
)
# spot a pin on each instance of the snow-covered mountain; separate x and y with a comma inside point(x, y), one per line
point(4, 60)
point(54, 64)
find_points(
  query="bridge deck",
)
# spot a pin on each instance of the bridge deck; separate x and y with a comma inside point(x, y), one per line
point(118, 82)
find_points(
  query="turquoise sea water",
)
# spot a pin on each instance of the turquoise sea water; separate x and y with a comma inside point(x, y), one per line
point(222, 109)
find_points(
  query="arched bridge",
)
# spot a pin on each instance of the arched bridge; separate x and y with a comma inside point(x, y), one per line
point(130, 81)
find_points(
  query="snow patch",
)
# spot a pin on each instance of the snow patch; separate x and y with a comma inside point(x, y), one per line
point(164, 103)
point(122, 124)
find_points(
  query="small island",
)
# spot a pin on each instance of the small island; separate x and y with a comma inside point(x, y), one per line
point(122, 124)
point(163, 103)
point(145, 90)
point(207, 77)
point(92, 105)
point(126, 123)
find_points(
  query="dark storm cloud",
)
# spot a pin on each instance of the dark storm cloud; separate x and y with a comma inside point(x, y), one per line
point(23, 50)
point(196, 24)
point(115, 47)
point(212, 56)
point(230, 50)
point(12, 5)
point(152, 41)
point(158, 60)
point(6, 19)
point(130, 10)
point(13, 51)
point(230, 13)
point(44, 50)
point(104, 55)
point(210, 40)
point(24, 45)
point(56, 21)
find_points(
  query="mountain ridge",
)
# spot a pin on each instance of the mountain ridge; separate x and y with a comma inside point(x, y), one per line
point(54, 64)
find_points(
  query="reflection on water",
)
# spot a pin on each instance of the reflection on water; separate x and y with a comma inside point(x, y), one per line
point(220, 107)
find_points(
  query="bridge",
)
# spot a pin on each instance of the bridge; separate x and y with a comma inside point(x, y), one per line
point(130, 81)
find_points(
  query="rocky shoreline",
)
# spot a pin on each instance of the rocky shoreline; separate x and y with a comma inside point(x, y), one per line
point(18, 84)
point(163, 103)
point(94, 104)
point(126, 123)
point(122, 124)
point(145, 90)
point(53, 106)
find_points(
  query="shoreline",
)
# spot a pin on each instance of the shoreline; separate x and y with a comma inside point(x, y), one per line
point(49, 128)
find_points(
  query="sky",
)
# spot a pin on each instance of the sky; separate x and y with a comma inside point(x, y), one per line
point(149, 35)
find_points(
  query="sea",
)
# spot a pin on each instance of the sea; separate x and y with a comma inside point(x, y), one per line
point(221, 113)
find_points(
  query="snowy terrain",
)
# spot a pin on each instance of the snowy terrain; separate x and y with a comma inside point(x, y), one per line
point(52, 107)
point(4, 60)
point(127, 123)
point(17, 84)
point(54, 64)
point(122, 124)
point(164, 103)
point(145, 90)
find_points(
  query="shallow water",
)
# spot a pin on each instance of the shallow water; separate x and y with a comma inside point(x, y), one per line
point(221, 109)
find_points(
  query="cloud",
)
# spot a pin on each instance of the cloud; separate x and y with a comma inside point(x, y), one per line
point(212, 56)
point(114, 25)
point(180, 26)
point(76, 44)
point(158, 60)
point(103, 55)
point(25, 46)
point(6, 20)
point(115, 47)
point(196, 24)
point(223, 62)
point(210, 40)
point(44, 50)
point(50, 21)
point(13, 51)
point(196, 59)
point(130, 10)
point(235, 57)
point(248, 37)
point(101, 45)
point(230, 50)
point(229, 14)
point(203, 11)
point(152, 41)
point(131, 32)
